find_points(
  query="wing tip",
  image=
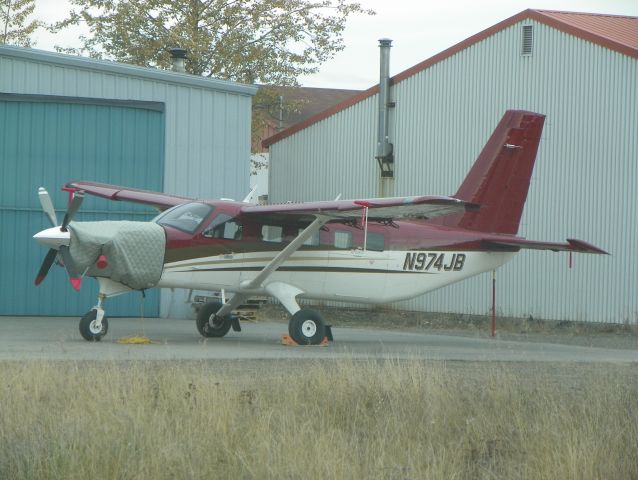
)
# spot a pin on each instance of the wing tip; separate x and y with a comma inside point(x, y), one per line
point(585, 247)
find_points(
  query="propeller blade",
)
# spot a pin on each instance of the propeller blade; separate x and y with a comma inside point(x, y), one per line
point(46, 265)
point(73, 208)
point(74, 276)
point(47, 206)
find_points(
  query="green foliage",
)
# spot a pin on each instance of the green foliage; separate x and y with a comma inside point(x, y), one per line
point(249, 41)
point(269, 42)
point(15, 27)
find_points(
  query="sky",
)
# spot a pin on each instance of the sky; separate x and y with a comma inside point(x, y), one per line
point(419, 29)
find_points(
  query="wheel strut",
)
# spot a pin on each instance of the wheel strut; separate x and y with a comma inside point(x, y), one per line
point(99, 310)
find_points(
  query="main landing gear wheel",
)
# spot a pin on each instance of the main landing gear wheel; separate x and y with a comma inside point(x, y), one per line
point(89, 329)
point(220, 325)
point(306, 327)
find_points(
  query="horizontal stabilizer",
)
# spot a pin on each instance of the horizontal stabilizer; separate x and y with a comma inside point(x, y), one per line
point(572, 245)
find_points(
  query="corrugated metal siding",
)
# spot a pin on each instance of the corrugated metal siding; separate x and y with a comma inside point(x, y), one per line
point(207, 128)
point(334, 159)
point(207, 131)
point(583, 184)
point(48, 144)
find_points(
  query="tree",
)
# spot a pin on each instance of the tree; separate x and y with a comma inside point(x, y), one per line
point(15, 30)
point(270, 42)
point(250, 41)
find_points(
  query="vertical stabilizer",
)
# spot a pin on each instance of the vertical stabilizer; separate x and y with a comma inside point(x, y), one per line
point(499, 179)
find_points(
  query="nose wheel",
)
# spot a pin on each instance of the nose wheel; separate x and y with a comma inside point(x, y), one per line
point(93, 328)
point(94, 325)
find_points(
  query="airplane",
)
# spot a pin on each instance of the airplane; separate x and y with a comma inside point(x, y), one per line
point(377, 250)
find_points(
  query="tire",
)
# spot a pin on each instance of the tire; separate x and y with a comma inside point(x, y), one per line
point(306, 327)
point(87, 327)
point(220, 325)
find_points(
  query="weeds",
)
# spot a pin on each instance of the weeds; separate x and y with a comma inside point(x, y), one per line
point(390, 419)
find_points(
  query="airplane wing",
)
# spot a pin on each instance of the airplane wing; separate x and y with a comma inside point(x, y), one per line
point(572, 245)
point(378, 209)
point(160, 201)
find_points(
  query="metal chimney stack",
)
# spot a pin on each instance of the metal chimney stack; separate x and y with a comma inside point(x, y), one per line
point(384, 148)
point(178, 55)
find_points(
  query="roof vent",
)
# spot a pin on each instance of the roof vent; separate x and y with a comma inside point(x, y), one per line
point(527, 40)
point(178, 57)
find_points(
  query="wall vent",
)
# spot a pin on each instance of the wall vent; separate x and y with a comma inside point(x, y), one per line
point(527, 43)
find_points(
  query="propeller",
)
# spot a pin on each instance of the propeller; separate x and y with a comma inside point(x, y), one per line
point(78, 197)
point(46, 265)
point(58, 237)
point(74, 276)
point(47, 206)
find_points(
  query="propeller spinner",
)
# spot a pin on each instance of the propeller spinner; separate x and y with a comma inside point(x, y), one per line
point(58, 238)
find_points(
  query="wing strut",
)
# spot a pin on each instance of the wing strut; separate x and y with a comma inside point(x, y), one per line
point(291, 248)
point(231, 305)
point(274, 264)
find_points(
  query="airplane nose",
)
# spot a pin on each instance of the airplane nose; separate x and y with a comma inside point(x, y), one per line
point(53, 237)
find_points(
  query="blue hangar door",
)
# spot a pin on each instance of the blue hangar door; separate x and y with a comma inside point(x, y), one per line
point(48, 141)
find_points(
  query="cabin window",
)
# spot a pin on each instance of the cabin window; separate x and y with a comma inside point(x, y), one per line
point(223, 226)
point(187, 217)
point(272, 233)
point(312, 241)
point(375, 242)
point(343, 239)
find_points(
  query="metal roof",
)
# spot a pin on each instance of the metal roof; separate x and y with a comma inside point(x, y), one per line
point(617, 33)
point(309, 101)
point(108, 66)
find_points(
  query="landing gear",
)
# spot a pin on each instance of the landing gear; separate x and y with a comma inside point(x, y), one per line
point(94, 325)
point(209, 324)
point(306, 327)
point(90, 328)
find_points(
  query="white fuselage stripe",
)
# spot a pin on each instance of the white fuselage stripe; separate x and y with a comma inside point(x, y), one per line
point(355, 275)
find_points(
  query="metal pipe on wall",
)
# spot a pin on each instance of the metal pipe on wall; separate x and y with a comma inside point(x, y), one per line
point(384, 147)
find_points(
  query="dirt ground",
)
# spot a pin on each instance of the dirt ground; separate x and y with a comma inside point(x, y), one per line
point(603, 335)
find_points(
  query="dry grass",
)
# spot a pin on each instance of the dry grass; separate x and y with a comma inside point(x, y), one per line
point(343, 419)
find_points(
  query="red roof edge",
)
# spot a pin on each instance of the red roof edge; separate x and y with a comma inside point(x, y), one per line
point(482, 35)
point(397, 78)
point(537, 15)
point(607, 42)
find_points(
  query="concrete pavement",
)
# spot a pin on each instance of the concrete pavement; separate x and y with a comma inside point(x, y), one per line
point(57, 338)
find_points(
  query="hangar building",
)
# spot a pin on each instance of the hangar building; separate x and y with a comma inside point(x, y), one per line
point(581, 71)
point(68, 118)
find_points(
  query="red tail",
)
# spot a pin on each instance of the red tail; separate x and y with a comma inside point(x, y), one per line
point(500, 177)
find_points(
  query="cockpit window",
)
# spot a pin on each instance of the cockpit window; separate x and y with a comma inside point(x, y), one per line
point(187, 217)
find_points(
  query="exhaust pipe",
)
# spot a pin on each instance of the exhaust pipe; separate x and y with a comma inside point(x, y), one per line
point(384, 147)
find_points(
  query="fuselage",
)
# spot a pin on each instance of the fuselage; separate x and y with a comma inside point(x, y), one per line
point(211, 248)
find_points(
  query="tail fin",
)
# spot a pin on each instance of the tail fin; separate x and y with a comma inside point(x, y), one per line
point(500, 177)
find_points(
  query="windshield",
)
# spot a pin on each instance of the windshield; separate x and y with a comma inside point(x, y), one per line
point(186, 217)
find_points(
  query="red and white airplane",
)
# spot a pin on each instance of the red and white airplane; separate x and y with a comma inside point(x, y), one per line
point(376, 250)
